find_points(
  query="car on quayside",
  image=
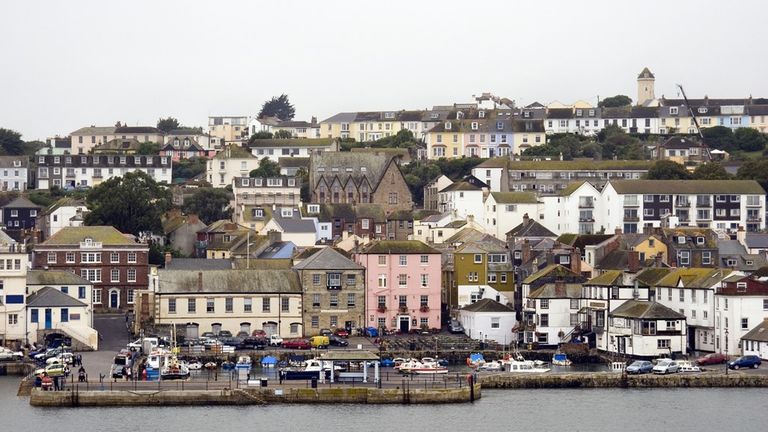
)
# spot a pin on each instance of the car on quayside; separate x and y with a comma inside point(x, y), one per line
point(640, 367)
point(297, 344)
point(666, 366)
point(747, 361)
point(712, 359)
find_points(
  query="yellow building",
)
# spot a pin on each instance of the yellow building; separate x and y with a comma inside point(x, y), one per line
point(647, 246)
point(228, 128)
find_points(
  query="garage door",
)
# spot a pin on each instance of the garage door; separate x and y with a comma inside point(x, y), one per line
point(270, 328)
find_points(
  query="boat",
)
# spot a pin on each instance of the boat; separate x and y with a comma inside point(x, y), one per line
point(210, 365)
point(174, 369)
point(387, 362)
point(416, 367)
point(525, 366)
point(227, 365)
point(312, 369)
point(474, 360)
point(243, 362)
point(491, 366)
point(560, 359)
point(688, 366)
point(397, 361)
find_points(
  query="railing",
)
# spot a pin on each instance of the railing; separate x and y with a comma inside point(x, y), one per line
point(631, 219)
point(682, 203)
point(703, 203)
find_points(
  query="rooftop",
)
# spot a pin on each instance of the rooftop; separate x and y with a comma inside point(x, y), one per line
point(580, 165)
point(398, 247)
point(106, 235)
point(327, 259)
point(487, 305)
point(724, 187)
point(52, 297)
point(514, 197)
point(646, 310)
point(55, 278)
point(228, 281)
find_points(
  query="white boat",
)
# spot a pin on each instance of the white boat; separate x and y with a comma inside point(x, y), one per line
point(195, 365)
point(560, 359)
point(494, 365)
point(417, 367)
point(174, 369)
point(688, 366)
point(400, 361)
point(525, 366)
point(243, 362)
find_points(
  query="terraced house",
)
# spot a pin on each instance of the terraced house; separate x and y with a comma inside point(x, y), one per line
point(115, 263)
point(14, 173)
point(70, 171)
point(274, 149)
point(334, 291)
point(374, 125)
point(482, 269)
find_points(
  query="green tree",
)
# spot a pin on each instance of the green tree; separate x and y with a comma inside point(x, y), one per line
point(748, 139)
point(719, 137)
point(267, 168)
point(615, 101)
point(167, 124)
point(11, 142)
point(279, 107)
point(667, 170)
point(616, 142)
point(260, 135)
point(711, 171)
point(132, 203)
point(188, 168)
point(303, 174)
point(148, 148)
point(157, 254)
point(283, 134)
point(209, 204)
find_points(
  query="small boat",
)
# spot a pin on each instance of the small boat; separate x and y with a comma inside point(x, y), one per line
point(474, 360)
point(210, 365)
point(195, 364)
point(419, 368)
point(525, 366)
point(560, 359)
point(227, 365)
point(688, 366)
point(174, 369)
point(243, 362)
point(491, 366)
point(387, 362)
point(397, 361)
point(312, 369)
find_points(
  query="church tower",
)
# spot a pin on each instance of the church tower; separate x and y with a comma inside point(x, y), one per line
point(645, 89)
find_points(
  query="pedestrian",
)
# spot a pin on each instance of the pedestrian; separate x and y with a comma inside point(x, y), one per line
point(128, 375)
point(46, 382)
point(124, 373)
point(81, 374)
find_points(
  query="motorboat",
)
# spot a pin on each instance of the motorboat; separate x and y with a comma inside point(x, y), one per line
point(560, 359)
point(243, 362)
point(525, 366)
point(313, 368)
point(688, 366)
point(387, 362)
point(491, 366)
point(419, 368)
point(174, 369)
point(195, 364)
point(227, 365)
point(397, 361)
point(475, 360)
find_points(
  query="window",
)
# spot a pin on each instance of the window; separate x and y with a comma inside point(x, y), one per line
point(382, 260)
point(706, 257)
point(683, 257)
point(265, 304)
point(382, 302)
point(315, 279)
point(503, 278)
point(403, 261)
point(765, 304)
point(316, 300)
point(285, 304)
point(93, 275)
point(478, 258)
point(90, 257)
point(131, 275)
point(114, 275)
point(334, 280)
point(365, 224)
point(402, 301)
point(423, 301)
point(96, 295)
point(544, 320)
point(495, 323)
point(673, 110)
point(81, 292)
point(492, 277)
point(382, 280)
point(424, 259)
point(424, 280)
point(70, 257)
point(745, 323)
point(114, 258)
point(648, 328)
point(229, 305)
point(51, 258)
point(351, 279)
point(191, 305)
point(172, 306)
point(544, 303)
point(682, 294)
point(131, 257)
point(351, 300)
point(33, 316)
point(315, 321)
point(210, 305)
point(402, 280)
point(663, 343)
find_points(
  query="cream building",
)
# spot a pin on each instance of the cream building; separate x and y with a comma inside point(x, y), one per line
point(233, 300)
point(228, 164)
point(228, 128)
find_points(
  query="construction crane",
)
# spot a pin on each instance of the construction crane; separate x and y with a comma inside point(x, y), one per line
point(690, 110)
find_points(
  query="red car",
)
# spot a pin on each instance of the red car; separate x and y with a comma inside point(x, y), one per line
point(259, 333)
point(343, 333)
point(297, 344)
point(712, 359)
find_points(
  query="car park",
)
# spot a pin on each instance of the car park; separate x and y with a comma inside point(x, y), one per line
point(747, 361)
point(712, 359)
point(666, 366)
point(640, 367)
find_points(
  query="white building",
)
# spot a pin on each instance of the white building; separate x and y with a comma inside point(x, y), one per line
point(303, 232)
point(506, 210)
point(494, 173)
point(741, 303)
point(71, 171)
point(66, 212)
point(231, 162)
point(487, 319)
point(577, 209)
point(646, 329)
point(462, 199)
point(274, 149)
point(554, 307)
point(255, 198)
point(756, 341)
point(14, 172)
point(13, 274)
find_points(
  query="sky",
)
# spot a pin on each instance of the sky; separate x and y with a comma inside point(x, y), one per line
point(69, 64)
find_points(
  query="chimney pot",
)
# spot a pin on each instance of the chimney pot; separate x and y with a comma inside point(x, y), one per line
point(168, 258)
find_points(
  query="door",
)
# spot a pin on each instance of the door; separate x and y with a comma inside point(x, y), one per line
point(193, 331)
point(270, 328)
point(622, 341)
point(114, 299)
point(405, 324)
point(48, 319)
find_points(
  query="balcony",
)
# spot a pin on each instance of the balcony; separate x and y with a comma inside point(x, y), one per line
point(586, 219)
point(586, 204)
point(631, 204)
point(681, 203)
point(381, 309)
point(704, 203)
point(754, 219)
point(631, 219)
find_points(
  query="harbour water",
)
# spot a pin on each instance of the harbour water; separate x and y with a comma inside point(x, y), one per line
point(500, 410)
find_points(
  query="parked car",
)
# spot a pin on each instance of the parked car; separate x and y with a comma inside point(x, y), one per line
point(336, 340)
point(371, 332)
point(712, 359)
point(253, 343)
point(275, 340)
point(65, 358)
point(341, 332)
point(51, 352)
point(747, 361)
point(242, 334)
point(56, 369)
point(640, 367)
point(666, 366)
point(208, 335)
point(225, 334)
point(455, 327)
point(6, 354)
point(297, 344)
point(259, 333)
point(320, 341)
point(325, 332)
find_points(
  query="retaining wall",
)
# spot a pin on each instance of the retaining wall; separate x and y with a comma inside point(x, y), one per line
point(605, 380)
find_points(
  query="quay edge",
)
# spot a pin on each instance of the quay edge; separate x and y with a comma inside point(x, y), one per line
point(616, 380)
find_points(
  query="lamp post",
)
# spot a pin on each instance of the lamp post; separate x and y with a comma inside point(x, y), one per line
point(726, 351)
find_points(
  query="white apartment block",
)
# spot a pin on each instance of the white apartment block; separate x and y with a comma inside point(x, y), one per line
point(14, 172)
point(70, 171)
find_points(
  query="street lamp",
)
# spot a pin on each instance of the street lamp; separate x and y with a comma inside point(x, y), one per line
point(726, 351)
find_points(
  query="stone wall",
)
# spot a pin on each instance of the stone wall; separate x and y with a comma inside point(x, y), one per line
point(604, 379)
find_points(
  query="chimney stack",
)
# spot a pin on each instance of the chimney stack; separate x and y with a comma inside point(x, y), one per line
point(633, 261)
point(617, 231)
point(576, 260)
point(526, 219)
point(526, 251)
point(274, 236)
point(658, 260)
point(741, 235)
point(168, 259)
point(199, 281)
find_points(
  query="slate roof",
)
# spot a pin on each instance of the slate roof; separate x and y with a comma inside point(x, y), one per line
point(646, 73)
point(514, 197)
point(117, 145)
point(756, 240)
point(23, 203)
point(646, 310)
point(465, 235)
point(680, 143)
point(52, 297)
point(557, 290)
point(559, 113)
point(398, 247)
point(138, 129)
point(487, 244)
point(7, 161)
point(581, 240)
point(652, 276)
point(293, 162)
point(759, 333)
point(460, 186)
point(234, 152)
point(693, 277)
point(691, 187)
point(198, 264)
point(74, 235)
point(730, 247)
point(294, 224)
point(608, 278)
point(552, 269)
point(370, 211)
point(327, 259)
point(530, 229)
point(55, 277)
point(95, 130)
point(291, 142)
point(580, 165)
point(228, 281)
point(487, 305)
point(497, 162)
point(361, 165)
point(63, 202)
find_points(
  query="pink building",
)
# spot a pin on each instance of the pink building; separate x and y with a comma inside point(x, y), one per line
point(402, 285)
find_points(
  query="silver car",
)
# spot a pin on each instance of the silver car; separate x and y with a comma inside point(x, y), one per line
point(666, 366)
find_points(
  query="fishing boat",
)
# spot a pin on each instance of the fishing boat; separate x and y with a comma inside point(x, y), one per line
point(419, 368)
point(174, 369)
point(560, 359)
point(525, 366)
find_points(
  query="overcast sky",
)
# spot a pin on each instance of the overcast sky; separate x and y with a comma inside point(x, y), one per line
point(68, 64)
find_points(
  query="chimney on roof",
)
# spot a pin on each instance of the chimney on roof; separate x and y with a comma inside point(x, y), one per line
point(526, 219)
point(274, 236)
point(633, 261)
point(192, 219)
point(550, 257)
point(617, 231)
point(741, 235)
point(576, 260)
point(313, 120)
point(168, 259)
point(199, 281)
point(526, 251)
point(658, 260)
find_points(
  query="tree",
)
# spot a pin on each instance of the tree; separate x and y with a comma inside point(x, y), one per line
point(283, 134)
point(11, 142)
point(711, 171)
point(278, 107)
point(132, 203)
point(148, 148)
point(615, 101)
point(167, 124)
point(667, 170)
point(157, 254)
point(267, 168)
point(617, 143)
point(754, 169)
point(749, 139)
point(719, 137)
point(188, 168)
point(209, 204)
point(260, 135)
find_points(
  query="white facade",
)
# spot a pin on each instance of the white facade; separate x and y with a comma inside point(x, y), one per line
point(492, 176)
point(736, 315)
point(13, 271)
point(582, 211)
point(495, 326)
point(222, 170)
point(290, 149)
point(64, 216)
point(501, 217)
point(463, 204)
point(91, 170)
point(628, 336)
point(13, 173)
point(698, 306)
point(468, 294)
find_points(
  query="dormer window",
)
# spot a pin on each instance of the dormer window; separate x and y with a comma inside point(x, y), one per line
point(68, 160)
point(88, 241)
point(41, 160)
point(591, 113)
point(258, 182)
point(672, 110)
point(286, 212)
point(186, 142)
point(291, 182)
point(258, 212)
point(313, 208)
point(699, 240)
point(176, 142)
point(500, 125)
point(579, 112)
point(137, 160)
point(389, 115)
point(702, 110)
point(481, 114)
point(83, 159)
point(122, 160)
point(474, 125)
point(244, 182)
point(681, 240)
point(459, 115)
point(17, 163)
point(434, 115)
point(447, 125)
point(527, 114)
